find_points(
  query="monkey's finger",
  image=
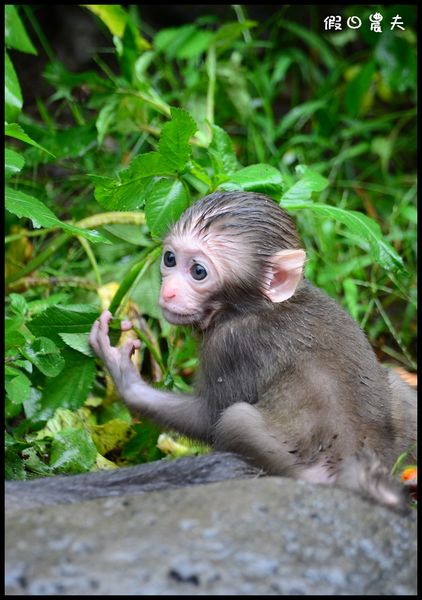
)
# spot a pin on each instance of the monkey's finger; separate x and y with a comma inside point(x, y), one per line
point(93, 334)
point(129, 347)
point(101, 340)
point(126, 325)
point(104, 320)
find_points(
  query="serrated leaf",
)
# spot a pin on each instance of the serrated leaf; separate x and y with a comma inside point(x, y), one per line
point(166, 200)
point(14, 130)
point(128, 192)
point(72, 451)
point(24, 206)
point(18, 389)
point(62, 319)
point(174, 141)
point(12, 337)
point(364, 227)
point(12, 90)
point(14, 32)
point(44, 354)
point(222, 145)
point(258, 178)
point(37, 306)
point(302, 190)
point(70, 388)
point(18, 304)
point(13, 163)
point(77, 341)
point(112, 435)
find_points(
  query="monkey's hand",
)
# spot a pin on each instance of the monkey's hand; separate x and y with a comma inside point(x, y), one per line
point(117, 360)
point(181, 412)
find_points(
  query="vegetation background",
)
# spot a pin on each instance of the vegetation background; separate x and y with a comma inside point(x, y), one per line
point(117, 118)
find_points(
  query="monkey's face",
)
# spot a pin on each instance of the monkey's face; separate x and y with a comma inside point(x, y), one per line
point(189, 277)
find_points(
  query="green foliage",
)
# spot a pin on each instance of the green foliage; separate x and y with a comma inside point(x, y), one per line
point(323, 122)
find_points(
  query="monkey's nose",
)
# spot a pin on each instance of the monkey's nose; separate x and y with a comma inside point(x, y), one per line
point(168, 294)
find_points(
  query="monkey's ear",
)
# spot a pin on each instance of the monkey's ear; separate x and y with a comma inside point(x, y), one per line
point(286, 272)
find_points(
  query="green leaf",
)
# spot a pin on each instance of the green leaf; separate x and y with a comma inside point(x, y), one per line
point(13, 338)
point(13, 163)
point(57, 320)
point(224, 153)
point(18, 389)
point(197, 43)
point(357, 89)
point(117, 19)
point(174, 141)
point(12, 91)
point(105, 118)
point(166, 200)
point(383, 147)
point(146, 294)
point(397, 60)
point(14, 32)
point(70, 388)
point(228, 33)
point(302, 112)
point(77, 341)
point(112, 435)
point(257, 178)
point(14, 467)
point(112, 15)
point(18, 304)
point(302, 190)
point(314, 40)
point(73, 451)
point(365, 228)
point(44, 354)
point(14, 130)
point(186, 41)
point(128, 192)
point(351, 295)
point(24, 206)
point(41, 304)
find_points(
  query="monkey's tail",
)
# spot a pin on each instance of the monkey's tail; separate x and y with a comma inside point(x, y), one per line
point(365, 474)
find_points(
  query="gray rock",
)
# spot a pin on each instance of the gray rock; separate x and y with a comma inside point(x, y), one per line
point(159, 475)
point(260, 536)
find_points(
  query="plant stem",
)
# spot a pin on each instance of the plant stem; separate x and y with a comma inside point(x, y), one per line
point(43, 40)
point(211, 72)
point(53, 246)
point(152, 348)
point(129, 280)
point(91, 257)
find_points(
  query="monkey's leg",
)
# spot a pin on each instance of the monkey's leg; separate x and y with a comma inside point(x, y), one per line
point(243, 429)
point(365, 474)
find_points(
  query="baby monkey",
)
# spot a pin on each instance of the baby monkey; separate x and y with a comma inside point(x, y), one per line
point(287, 378)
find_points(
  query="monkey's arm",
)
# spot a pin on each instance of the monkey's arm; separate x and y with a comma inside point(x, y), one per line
point(184, 413)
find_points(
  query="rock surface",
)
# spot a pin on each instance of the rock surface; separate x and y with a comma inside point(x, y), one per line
point(258, 536)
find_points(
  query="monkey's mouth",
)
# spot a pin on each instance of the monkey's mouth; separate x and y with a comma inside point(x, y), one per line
point(179, 319)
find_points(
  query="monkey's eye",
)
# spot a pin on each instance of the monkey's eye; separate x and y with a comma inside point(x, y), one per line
point(198, 272)
point(169, 259)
